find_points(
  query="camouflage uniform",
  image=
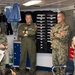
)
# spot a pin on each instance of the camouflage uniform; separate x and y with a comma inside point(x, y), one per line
point(28, 46)
point(3, 40)
point(60, 46)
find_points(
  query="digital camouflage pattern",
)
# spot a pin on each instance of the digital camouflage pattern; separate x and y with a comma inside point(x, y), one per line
point(60, 46)
point(3, 40)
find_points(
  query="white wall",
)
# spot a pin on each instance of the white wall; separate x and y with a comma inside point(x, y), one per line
point(44, 59)
point(10, 39)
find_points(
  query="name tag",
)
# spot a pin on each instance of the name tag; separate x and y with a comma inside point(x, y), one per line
point(29, 28)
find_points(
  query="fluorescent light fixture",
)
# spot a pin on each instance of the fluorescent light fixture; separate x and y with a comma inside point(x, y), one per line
point(29, 3)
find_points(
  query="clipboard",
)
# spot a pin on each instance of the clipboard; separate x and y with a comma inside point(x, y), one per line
point(1, 55)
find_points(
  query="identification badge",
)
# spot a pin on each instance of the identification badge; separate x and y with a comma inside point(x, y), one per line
point(29, 28)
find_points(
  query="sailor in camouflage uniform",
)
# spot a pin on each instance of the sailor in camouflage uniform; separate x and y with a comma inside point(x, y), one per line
point(3, 46)
point(60, 34)
point(27, 32)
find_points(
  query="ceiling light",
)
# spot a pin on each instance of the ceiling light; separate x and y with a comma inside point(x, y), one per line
point(29, 3)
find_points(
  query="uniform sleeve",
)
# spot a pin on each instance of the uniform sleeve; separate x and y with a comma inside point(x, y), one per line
point(32, 32)
point(52, 33)
point(20, 31)
point(67, 34)
point(5, 42)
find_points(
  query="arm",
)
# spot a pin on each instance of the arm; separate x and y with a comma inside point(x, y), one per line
point(4, 43)
point(66, 32)
point(32, 32)
point(52, 32)
point(20, 31)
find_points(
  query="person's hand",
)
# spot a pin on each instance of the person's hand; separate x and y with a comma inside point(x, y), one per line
point(62, 33)
point(25, 34)
point(2, 46)
point(73, 38)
